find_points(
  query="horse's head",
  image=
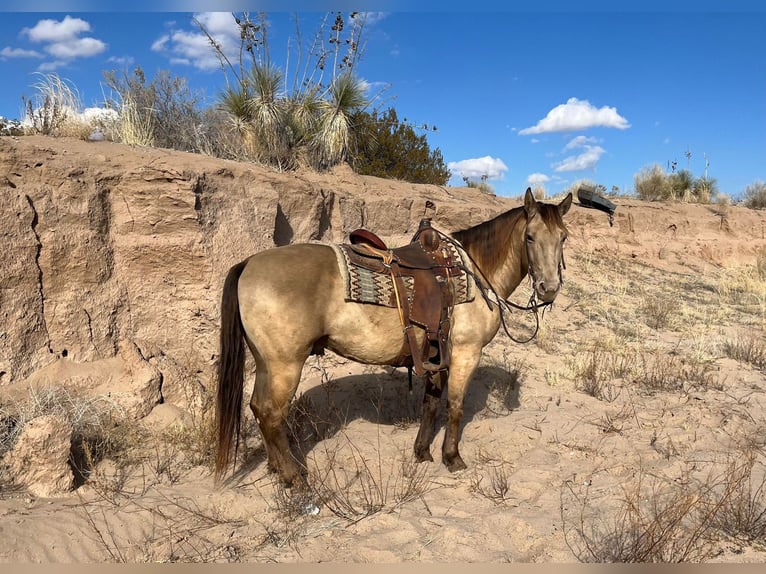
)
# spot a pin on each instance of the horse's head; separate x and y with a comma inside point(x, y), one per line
point(544, 238)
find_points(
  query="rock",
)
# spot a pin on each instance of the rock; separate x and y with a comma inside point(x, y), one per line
point(127, 381)
point(40, 458)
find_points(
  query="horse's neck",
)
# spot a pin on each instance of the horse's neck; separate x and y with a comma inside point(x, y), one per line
point(514, 267)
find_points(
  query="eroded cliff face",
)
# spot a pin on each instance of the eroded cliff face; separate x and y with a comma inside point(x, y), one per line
point(108, 249)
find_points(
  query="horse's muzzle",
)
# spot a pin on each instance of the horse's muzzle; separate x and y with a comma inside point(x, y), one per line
point(547, 291)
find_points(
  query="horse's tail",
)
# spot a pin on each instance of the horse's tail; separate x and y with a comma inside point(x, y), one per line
point(231, 372)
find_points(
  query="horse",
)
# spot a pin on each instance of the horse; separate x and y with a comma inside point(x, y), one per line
point(287, 303)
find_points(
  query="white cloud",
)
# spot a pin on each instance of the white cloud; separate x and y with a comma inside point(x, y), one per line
point(586, 160)
point(372, 18)
point(537, 178)
point(194, 48)
point(122, 60)
point(577, 115)
point(493, 168)
point(159, 44)
point(62, 40)
point(55, 31)
point(580, 141)
point(76, 48)
point(9, 52)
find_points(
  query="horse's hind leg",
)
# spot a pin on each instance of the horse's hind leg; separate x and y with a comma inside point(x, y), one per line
point(275, 386)
point(431, 399)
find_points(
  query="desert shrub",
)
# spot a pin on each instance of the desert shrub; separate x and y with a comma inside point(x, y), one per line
point(10, 127)
point(755, 195)
point(662, 372)
point(161, 112)
point(705, 190)
point(595, 370)
point(482, 186)
point(742, 500)
point(391, 148)
point(652, 183)
point(491, 479)
point(658, 311)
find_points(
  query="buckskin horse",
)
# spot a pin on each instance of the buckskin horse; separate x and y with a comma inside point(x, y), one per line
point(289, 302)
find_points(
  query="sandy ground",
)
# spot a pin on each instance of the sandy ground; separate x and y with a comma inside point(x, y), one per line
point(627, 404)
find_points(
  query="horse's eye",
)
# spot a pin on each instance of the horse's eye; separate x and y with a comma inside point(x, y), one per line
point(563, 239)
point(530, 239)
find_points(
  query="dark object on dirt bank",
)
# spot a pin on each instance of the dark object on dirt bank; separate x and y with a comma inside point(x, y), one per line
point(588, 197)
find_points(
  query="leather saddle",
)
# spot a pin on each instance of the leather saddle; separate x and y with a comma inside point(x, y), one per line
point(431, 265)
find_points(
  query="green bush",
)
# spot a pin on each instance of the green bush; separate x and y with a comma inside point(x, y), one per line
point(391, 148)
point(652, 183)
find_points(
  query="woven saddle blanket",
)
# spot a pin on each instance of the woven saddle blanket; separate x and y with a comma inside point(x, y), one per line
point(376, 288)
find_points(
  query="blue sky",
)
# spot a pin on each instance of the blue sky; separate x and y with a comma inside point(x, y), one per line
point(526, 97)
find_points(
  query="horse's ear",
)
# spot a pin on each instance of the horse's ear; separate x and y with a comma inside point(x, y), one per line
point(530, 205)
point(565, 204)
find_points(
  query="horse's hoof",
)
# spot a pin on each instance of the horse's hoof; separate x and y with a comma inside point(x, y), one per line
point(424, 456)
point(455, 464)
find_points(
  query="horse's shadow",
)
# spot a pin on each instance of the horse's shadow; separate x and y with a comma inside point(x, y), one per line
point(323, 410)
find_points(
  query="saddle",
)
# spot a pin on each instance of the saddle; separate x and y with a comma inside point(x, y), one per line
point(429, 265)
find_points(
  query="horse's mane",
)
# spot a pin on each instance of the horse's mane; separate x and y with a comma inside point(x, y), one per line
point(488, 242)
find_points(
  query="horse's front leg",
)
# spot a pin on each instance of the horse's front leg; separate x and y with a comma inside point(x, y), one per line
point(431, 399)
point(463, 363)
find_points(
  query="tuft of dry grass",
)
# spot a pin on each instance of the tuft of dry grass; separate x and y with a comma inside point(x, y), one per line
point(55, 109)
point(671, 372)
point(92, 419)
point(742, 513)
point(135, 125)
point(503, 389)
point(748, 348)
point(491, 479)
point(657, 311)
point(595, 370)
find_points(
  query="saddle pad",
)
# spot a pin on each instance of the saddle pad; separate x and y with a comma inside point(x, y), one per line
point(365, 286)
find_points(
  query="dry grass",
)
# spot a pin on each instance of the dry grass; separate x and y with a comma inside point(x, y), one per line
point(491, 479)
point(748, 348)
point(655, 523)
point(55, 109)
point(92, 419)
point(595, 370)
point(504, 387)
point(135, 126)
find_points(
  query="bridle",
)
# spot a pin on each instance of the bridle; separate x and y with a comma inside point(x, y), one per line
point(503, 304)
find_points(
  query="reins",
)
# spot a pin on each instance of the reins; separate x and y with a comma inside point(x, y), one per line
point(504, 304)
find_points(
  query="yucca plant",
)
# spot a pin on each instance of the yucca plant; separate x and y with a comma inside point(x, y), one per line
point(705, 189)
point(335, 135)
point(682, 185)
